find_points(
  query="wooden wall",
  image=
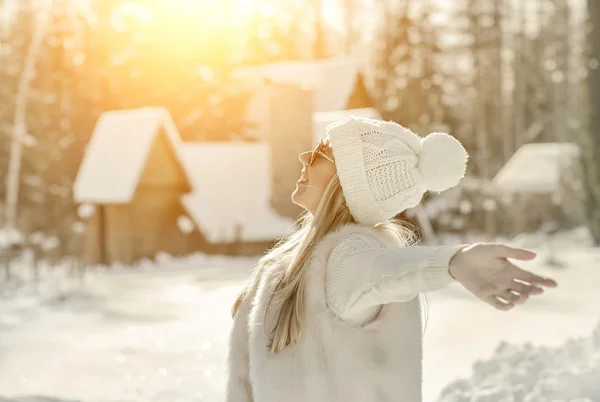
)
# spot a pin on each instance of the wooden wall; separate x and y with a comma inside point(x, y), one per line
point(93, 240)
point(360, 97)
point(148, 224)
point(162, 169)
point(145, 226)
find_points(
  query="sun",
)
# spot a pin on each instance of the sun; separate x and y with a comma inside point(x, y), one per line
point(204, 12)
point(235, 8)
point(191, 29)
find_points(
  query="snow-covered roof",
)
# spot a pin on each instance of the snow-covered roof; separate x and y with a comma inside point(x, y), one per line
point(232, 189)
point(117, 153)
point(322, 119)
point(332, 82)
point(536, 168)
point(230, 181)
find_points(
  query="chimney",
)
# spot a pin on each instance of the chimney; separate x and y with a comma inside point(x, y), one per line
point(289, 132)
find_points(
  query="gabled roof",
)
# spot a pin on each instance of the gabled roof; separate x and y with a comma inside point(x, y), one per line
point(331, 81)
point(117, 152)
point(322, 119)
point(536, 168)
point(232, 191)
point(230, 181)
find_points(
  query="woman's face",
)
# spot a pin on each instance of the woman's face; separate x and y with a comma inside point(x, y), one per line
point(318, 168)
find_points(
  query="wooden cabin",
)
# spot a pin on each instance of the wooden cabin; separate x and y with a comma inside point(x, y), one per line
point(131, 174)
point(139, 181)
point(541, 184)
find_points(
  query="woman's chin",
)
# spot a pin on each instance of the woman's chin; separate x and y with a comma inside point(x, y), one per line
point(295, 197)
point(298, 196)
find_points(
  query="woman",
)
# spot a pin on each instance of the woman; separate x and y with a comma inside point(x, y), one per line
point(331, 313)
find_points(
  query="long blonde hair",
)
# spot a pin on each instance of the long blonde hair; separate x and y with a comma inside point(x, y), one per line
point(290, 283)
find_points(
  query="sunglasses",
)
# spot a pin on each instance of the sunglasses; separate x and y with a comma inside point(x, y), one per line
point(320, 150)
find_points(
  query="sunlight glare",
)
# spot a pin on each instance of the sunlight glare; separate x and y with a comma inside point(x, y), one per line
point(239, 8)
point(174, 24)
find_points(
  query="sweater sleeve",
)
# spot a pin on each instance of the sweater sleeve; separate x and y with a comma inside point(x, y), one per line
point(363, 274)
point(238, 388)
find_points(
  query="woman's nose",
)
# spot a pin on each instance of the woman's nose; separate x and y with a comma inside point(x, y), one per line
point(304, 158)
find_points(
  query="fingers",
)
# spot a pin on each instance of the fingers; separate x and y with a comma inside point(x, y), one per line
point(533, 279)
point(517, 274)
point(492, 300)
point(511, 297)
point(523, 288)
point(503, 251)
point(518, 293)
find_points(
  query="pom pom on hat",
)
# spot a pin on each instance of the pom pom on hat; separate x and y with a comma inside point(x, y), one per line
point(443, 161)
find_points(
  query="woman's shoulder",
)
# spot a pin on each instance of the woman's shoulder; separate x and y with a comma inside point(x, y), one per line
point(354, 238)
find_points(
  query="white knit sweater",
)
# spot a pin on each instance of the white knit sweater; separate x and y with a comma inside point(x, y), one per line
point(361, 338)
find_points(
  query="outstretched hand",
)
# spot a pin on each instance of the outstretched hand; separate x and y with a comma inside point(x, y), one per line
point(484, 270)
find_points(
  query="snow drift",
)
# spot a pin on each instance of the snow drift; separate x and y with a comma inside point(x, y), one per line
point(527, 373)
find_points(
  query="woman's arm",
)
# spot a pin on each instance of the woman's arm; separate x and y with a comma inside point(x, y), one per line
point(363, 274)
point(238, 387)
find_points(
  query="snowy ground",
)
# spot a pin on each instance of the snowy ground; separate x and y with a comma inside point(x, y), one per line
point(160, 334)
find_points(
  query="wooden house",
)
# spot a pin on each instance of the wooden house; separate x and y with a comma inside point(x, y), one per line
point(143, 181)
point(541, 184)
point(132, 174)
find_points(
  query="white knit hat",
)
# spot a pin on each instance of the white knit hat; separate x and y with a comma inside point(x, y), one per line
point(385, 168)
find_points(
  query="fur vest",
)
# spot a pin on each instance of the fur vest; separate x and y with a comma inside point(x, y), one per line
point(334, 361)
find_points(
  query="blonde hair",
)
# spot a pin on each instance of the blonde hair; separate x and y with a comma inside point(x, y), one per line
point(290, 283)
